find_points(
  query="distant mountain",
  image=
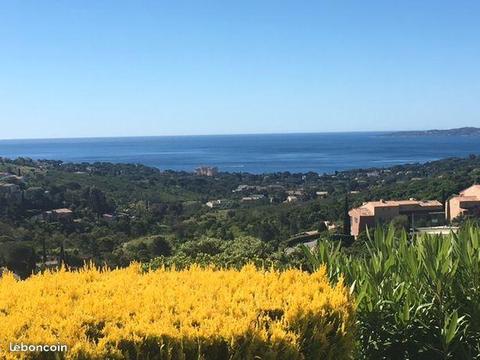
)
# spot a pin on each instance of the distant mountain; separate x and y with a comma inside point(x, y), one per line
point(463, 131)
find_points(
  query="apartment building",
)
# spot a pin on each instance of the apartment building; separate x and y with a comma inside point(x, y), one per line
point(376, 212)
point(467, 203)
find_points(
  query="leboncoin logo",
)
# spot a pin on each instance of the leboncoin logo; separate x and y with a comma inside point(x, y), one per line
point(22, 347)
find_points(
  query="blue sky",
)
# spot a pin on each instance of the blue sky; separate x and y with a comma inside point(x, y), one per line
point(118, 68)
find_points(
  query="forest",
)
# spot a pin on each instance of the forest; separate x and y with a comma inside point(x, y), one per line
point(113, 214)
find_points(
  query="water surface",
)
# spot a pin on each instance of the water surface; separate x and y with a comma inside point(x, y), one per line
point(322, 152)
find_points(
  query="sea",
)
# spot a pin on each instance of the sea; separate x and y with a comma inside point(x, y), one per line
point(265, 153)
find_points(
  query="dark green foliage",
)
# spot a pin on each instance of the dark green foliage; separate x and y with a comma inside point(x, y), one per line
point(146, 202)
point(18, 257)
point(416, 300)
point(97, 201)
point(346, 217)
point(160, 246)
point(236, 253)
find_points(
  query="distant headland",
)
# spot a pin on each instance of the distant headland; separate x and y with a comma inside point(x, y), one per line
point(462, 131)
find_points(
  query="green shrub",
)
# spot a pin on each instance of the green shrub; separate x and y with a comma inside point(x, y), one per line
point(415, 299)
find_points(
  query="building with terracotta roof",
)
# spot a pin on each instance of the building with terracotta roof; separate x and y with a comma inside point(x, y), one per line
point(58, 214)
point(377, 212)
point(467, 203)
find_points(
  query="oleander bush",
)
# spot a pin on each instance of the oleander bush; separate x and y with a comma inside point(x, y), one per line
point(416, 298)
point(195, 313)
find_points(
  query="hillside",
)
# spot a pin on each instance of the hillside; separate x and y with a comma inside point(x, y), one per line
point(117, 213)
point(463, 131)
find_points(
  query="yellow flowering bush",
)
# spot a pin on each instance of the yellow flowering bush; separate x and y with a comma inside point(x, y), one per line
point(197, 313)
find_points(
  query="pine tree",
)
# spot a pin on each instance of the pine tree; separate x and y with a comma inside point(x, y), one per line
point(346, 217)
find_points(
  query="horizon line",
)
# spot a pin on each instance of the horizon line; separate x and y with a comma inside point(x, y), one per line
point(218, 134)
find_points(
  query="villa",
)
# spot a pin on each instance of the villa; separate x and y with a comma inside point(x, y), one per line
point(375, 212)
point(58, 214)
point(464, 204)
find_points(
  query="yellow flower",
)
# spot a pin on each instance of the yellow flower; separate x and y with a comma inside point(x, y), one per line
point(197, 313)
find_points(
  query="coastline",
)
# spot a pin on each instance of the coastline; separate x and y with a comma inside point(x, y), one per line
point(255, 153)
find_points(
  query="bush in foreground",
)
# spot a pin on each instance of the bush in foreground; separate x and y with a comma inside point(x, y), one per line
point(416, 299)
point(190, 314)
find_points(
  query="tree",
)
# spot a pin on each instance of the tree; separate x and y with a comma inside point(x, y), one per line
point(266, 231)
point(346, 217)
point(97, 200)
point(142, 253)
point(18, 257)
point(207, 246)
point(160, 246)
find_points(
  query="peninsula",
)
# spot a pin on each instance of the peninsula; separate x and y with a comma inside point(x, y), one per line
point(462, 131)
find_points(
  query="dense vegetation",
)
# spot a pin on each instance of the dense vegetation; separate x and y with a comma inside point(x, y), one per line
point(190, 314)
point(162, 214)
point(416, 298)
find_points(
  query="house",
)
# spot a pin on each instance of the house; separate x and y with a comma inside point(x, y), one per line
point(220, 204)
point(206, 171)
point(291, 199)
point(58, 214)
point(466, 203)
point(298, 192)
point(253, 198)
point(108, 217)
point(214, 203)
point(321, 194)
point(374, 212)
